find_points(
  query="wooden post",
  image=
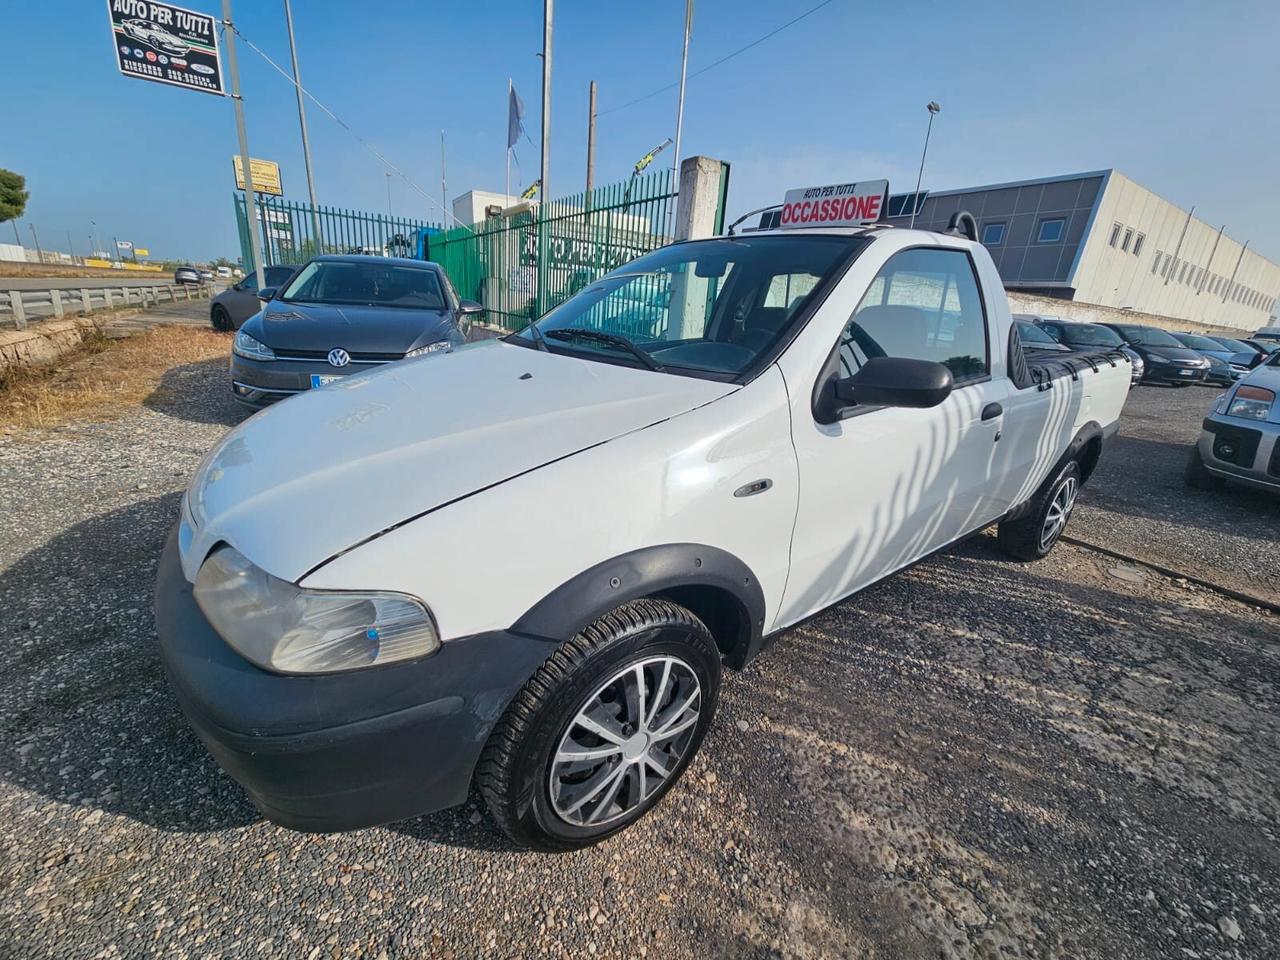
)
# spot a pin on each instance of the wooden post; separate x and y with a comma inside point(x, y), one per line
point(19, 314)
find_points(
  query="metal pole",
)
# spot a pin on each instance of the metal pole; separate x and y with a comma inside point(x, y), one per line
point(17, 238)
point(548, 14)
point(1178, 249)
point(250, 196)
point(1232, 281)
point(591, 140)
point(506, 197)
point(388, 196)
point(115, 248)
point(93, 237)
point(684, 70)
point(444, 190)
point(1204, 274)
point(933, 108)
point(36, 236)
point(302, 122)
point(71, 247)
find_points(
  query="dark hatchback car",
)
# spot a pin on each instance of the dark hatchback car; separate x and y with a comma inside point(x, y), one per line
point(236, 304)
point(1164, 358)
point(343, 315)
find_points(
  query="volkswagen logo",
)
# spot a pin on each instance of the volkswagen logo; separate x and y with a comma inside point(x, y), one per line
point(339, 357)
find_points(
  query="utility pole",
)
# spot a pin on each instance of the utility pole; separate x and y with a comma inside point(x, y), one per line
point(934, 109)
point(94, 242)
point(591, 141)
point(71, 247)
point(1232, 282)
point(1178, 249)
point(506, 197)
point(548, 14)
point(250, 197)
point(684, 70)
point(1204, 274)
point(388, 196)
point(17, 237)
point(35, 236)
point(302, 122)
point(115, 248)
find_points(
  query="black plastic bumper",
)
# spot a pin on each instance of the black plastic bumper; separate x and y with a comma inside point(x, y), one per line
point(340, 751)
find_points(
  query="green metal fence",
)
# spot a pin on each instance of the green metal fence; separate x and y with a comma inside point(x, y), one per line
point(292, 232)
point(523, 264)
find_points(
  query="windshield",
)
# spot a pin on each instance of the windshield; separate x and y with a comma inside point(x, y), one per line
point(1030, 333)
point(1197, 343)
point(1090, 335)
point(1147, 336)
point(376, 283)
point(1235, 346)
point(703, 308)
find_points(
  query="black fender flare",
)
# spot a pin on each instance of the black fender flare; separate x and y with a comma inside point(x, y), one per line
point(1084, 436)
point(666, 569)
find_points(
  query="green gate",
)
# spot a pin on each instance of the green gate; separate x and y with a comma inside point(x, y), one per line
point(536, 256)
point(295, 232)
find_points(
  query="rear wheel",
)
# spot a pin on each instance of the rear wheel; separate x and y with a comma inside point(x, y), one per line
point(1034, 534)
point(220, 318)
point(603, 729)
point(1197, 476)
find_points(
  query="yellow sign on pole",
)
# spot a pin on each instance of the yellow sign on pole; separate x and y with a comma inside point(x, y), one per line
point(266, 175)
point(141, 252)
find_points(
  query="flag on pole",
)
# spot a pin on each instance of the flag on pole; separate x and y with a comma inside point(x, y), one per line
point(515, 118)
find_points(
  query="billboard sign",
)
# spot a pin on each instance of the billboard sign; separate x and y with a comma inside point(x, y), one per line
point(124, 244)
point(141, 252)
point(835, 205)
point(166, 44)
point(266, 175)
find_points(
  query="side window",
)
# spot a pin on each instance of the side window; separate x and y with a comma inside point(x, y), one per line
point(923, 304)
point(278, 276)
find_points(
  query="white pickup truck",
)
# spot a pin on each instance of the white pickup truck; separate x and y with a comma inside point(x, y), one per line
point(522, 563)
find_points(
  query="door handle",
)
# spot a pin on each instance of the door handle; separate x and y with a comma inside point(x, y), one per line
point(991, 411)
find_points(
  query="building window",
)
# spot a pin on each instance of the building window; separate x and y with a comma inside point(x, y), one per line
point(1128, 239)
point(1051, 230)
point(1115, 234)
point(1182, 272)
point(1137, 244)
point(1168, 261)
point(1155, 262)
point(993, 234)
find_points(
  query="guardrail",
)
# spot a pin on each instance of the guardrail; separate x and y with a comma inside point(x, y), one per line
point(19, 306)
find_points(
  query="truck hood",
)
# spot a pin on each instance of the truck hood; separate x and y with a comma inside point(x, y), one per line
point(325, 470)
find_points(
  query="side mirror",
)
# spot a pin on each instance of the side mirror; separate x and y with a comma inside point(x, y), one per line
point(468, 307)
point(267, 293)
point(1247, 360)
point(890, 382)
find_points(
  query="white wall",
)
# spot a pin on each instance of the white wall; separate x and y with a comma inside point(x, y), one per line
point(1111, 277)
point(469, 208)
point(11, 251)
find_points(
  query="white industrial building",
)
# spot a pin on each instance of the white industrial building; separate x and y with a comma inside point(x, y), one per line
point(1103, 239)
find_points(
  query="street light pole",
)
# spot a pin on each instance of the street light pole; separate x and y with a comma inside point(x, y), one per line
point(684, 71)
point(35, 236)
point(933, 109)
point(250, 196)
point(388, 196)
point(302, 122)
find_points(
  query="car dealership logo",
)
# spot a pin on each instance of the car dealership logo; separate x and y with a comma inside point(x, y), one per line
point(339, 357)
point(201, 68)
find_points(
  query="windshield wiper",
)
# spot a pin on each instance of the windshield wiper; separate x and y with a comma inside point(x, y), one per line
point(612, 339)
point(538, 339)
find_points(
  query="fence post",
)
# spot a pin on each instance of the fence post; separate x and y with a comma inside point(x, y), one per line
point(86, 301)
point(19, 314)
point(155, 297)
point(56, 296)
point(699, 199)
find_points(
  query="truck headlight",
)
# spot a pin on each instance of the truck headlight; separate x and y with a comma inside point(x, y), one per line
point(438, 347)
point(1252, 403)
point(245, 346)
point(284, 628)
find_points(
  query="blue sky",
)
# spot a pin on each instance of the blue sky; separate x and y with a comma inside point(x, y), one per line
point(1177, 95)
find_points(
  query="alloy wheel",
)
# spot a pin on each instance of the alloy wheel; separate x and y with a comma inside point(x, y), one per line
point(1059, 513)
point(625, 741)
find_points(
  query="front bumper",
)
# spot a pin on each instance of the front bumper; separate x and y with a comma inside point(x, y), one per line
point(1245, 451)
point(1168, 373)
point(340, 751)
point(257, 383)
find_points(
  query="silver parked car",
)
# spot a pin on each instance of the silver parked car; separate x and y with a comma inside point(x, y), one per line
point(1240, 438)
point(236, 304)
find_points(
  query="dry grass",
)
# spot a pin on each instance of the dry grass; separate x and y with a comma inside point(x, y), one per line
point(102, 378)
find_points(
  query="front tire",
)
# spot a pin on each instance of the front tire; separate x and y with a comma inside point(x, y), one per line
point(603, 729)
point(1197, 476)
point(1034, 534)
point(220, 318)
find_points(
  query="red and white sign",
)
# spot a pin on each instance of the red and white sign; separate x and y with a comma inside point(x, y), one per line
point(835, 205)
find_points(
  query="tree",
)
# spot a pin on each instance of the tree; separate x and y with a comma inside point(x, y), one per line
point(13, 196)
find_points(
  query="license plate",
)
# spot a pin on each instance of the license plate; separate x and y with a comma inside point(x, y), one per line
point(319, 380)
point(1185, 373)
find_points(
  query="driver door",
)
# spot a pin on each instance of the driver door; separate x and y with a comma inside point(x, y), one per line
point(887, 485)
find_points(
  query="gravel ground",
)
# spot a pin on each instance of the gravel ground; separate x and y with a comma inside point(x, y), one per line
point(1137, 503)
point(974, 759)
